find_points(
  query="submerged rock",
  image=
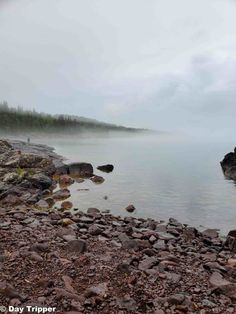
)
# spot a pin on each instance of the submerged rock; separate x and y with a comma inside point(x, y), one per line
point(65, 180)
point(61, 194)
point(130, 208)
point(97, 179)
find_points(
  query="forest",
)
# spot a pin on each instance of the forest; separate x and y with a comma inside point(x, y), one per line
point(16, 119)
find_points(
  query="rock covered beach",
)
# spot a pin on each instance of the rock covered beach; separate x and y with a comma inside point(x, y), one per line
point(95, 262)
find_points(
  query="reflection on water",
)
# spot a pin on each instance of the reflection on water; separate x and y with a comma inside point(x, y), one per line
point(162, 177)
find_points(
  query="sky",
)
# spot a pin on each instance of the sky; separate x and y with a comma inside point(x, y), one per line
point(161, 64)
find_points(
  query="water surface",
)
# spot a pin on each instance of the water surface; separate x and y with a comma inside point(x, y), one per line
point(161, 175)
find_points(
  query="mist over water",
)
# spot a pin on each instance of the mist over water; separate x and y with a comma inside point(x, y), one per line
point(163, 176)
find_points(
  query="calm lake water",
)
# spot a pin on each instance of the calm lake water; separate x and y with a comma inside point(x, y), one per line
point(161, 175)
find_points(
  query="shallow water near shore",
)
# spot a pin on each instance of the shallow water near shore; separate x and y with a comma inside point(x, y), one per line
point(161, 175)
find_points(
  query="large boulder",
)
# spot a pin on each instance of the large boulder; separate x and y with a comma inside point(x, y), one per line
point(80, 169)
point(228, 165)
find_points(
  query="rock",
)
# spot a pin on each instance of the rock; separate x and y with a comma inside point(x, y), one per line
point(35, 257)
point(98, 290)
point(62, 170)
point(228, 165)
point(93, 211)
point(42, 204)
point(5, 146)
point(130, 208)
point(123, 268)
point(106, 168)
point(40, 181)
point(66, 222)
point(231, 262)
point(160, 245)
point(97, 179)
point(80, 169)
point(148, 263)
point(65, 180)
point(95, 230)
point(126, 242)
point(40, 247)
point(66, 205)
point(210, 233)
point(11, 177)
point(8, 290)
point(231, 241)
point(76, 246)
point(228, 290)
point(61, 194)
point(176, 299)
point(217, 280)
point(50, 201)
point(127, 303)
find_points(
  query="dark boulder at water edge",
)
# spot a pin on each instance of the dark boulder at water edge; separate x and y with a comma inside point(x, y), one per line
point(106, 168)
point(228, 165)
point(80, 169)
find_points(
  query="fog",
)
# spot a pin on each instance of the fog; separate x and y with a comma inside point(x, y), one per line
point(166, 65)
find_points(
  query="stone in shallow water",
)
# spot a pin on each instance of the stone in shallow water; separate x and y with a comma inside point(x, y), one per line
point(97, 179)
point(61, 194)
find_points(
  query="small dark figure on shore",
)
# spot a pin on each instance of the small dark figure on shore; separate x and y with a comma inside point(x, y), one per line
point(28, 140)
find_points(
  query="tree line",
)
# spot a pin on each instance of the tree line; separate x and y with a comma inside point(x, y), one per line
point(18, 119)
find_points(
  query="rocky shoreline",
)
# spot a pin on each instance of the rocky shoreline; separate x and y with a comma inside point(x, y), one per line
point(95, 262)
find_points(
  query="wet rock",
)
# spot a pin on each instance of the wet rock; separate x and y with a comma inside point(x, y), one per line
point(40, 180)
point(106, 168)
point(80, 169)
point(65, 180)
point(62, 170)
point(61, 194)
point(97, 179)
point(66, 205)
point(66, 222)
point(130, 208)
point(50, 201)
point(76, 246)
point(228, 165)
point(93, 211)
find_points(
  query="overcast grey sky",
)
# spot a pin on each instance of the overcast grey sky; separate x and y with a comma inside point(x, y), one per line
point(163, 64)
